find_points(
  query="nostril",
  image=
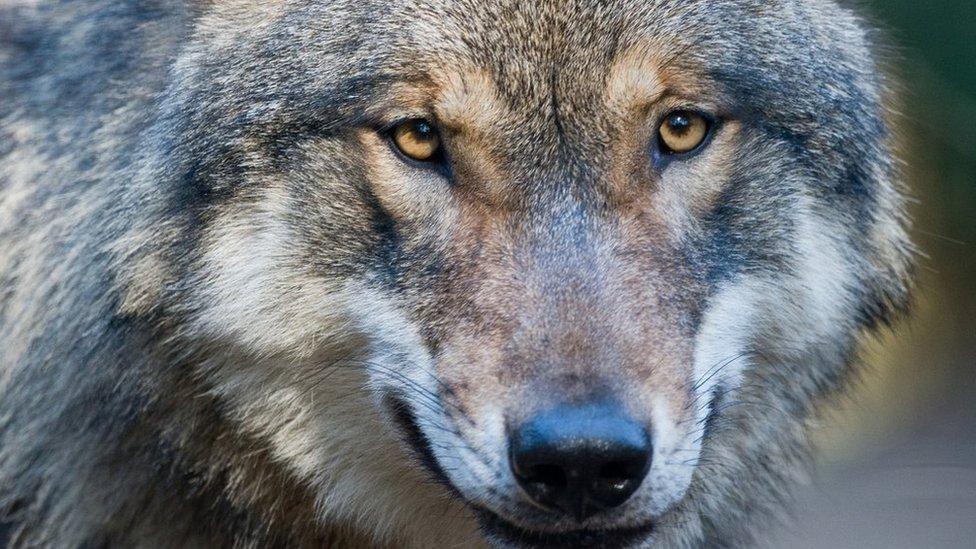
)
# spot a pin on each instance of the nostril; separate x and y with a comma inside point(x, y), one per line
point(617, 480)
point(617, 473)
point(549, 475)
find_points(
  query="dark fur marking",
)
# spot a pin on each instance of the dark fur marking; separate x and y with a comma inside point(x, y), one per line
point(496, 527)
point(418, 442)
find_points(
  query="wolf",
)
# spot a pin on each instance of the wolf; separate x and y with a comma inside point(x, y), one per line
point(432, 273)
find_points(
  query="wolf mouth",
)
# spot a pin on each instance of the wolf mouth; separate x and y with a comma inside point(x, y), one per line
point(417, 441)
point(494, 525)
point(499, 528)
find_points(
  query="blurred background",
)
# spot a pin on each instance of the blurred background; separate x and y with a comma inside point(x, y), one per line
point(897, 462)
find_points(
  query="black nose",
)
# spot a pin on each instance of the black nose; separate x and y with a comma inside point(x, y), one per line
point(580, 460)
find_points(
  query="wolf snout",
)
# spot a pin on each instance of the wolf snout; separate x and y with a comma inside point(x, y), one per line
point(579, 460)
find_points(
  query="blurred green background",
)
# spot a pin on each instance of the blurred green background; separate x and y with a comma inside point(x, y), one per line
point(897, 466)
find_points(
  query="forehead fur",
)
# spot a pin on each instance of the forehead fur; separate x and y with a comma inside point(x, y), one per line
point(528, 53)
point(468, 100)
point(549, 60)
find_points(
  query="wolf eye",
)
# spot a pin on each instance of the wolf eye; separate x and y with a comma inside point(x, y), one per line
point(417, 140)
point(683, 131)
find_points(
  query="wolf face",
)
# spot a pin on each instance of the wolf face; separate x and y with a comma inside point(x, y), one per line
point(542, 274)
point(549, 268)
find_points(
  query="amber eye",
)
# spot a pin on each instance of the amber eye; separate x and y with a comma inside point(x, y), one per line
point(417, 139)
point(683, 131)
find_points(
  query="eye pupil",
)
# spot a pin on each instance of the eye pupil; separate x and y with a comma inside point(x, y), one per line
point(424, 130)
point(679, 123)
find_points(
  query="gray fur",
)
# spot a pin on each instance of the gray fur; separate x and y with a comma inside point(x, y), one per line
point(205, 301)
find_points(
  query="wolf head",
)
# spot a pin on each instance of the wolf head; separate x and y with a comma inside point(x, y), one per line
point(550, 273)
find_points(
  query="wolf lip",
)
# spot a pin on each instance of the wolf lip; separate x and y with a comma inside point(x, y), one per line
point(497, 527)
point(417, 442)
